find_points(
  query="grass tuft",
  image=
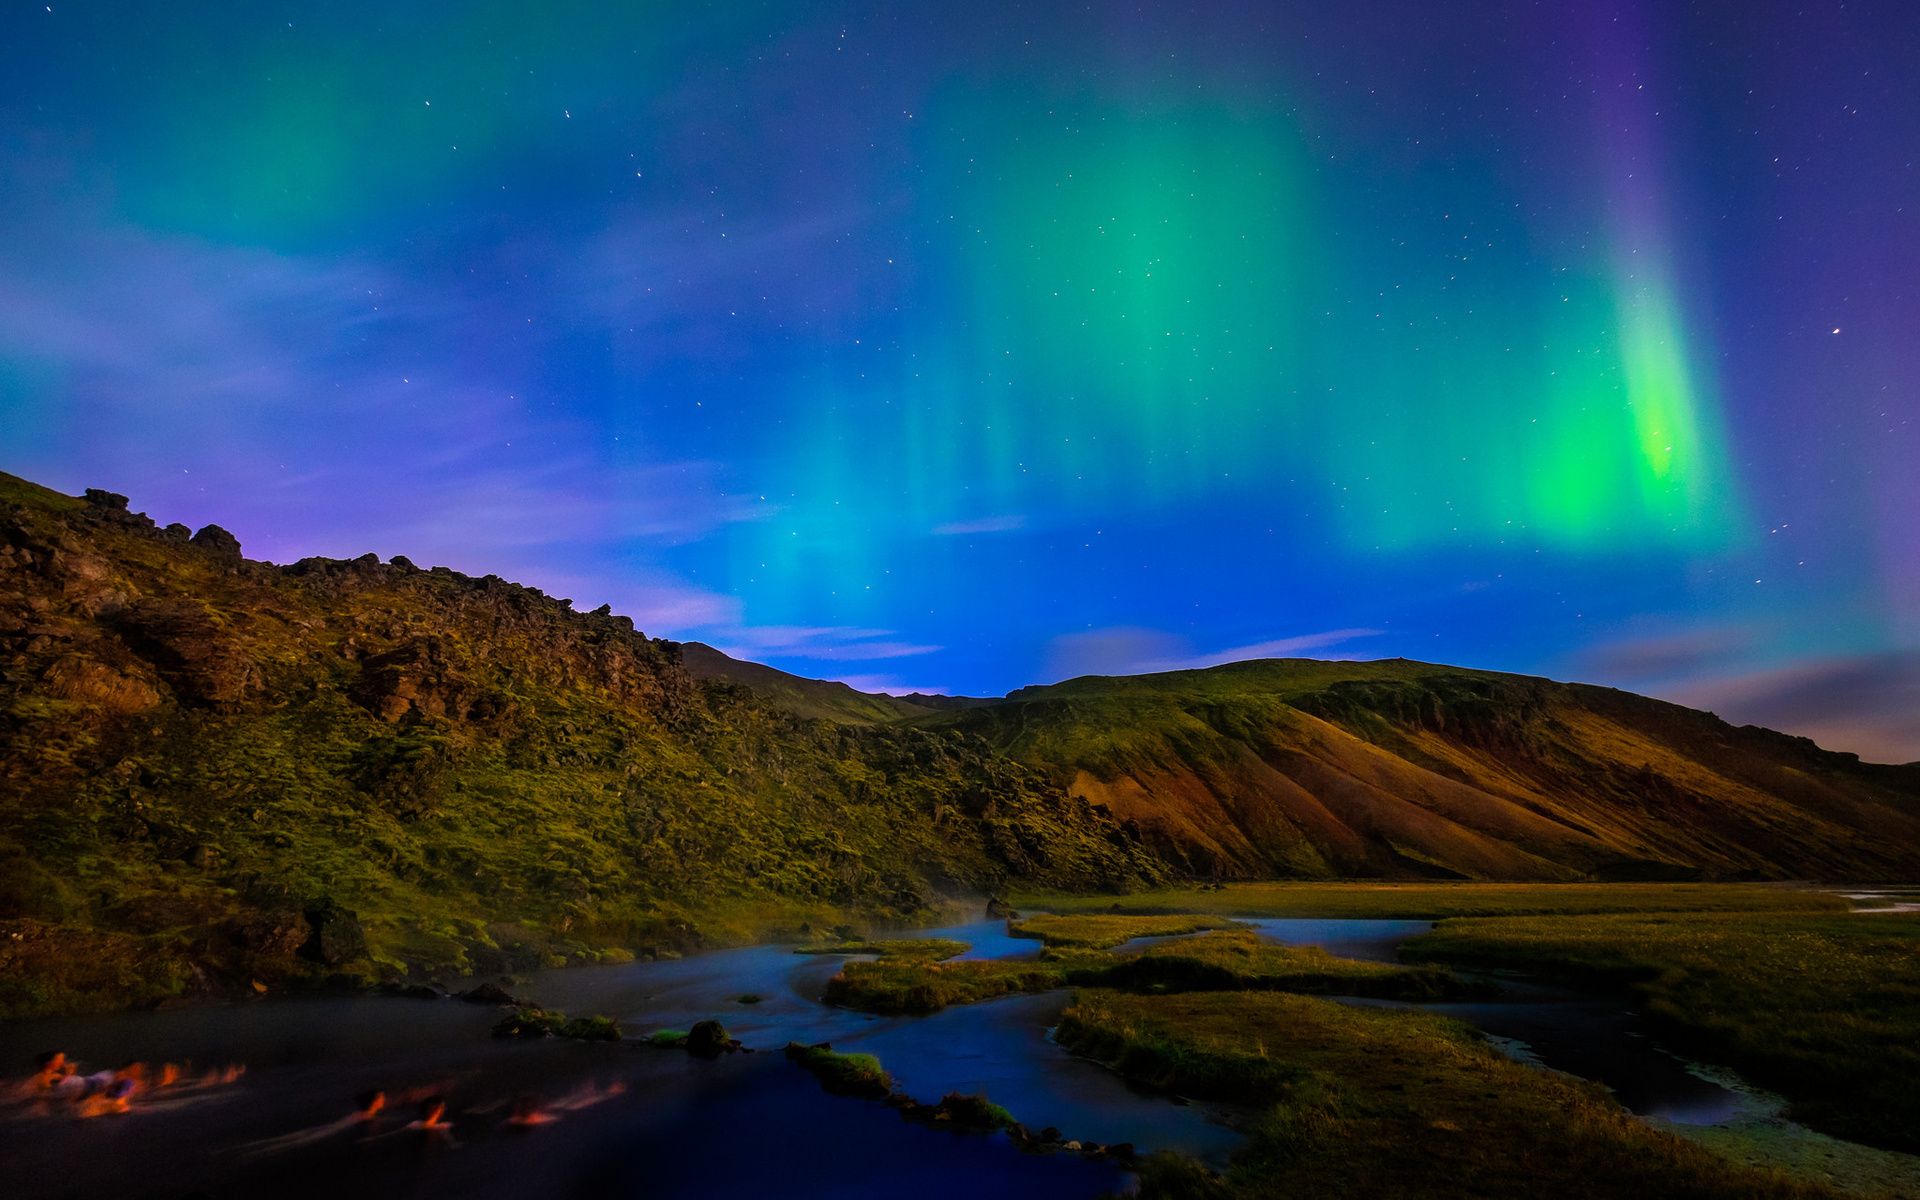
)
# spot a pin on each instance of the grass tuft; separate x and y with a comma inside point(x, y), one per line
point(843, 1074)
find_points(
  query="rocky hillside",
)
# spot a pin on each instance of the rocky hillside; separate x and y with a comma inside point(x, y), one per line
point(225, 773)
point(1324, 769)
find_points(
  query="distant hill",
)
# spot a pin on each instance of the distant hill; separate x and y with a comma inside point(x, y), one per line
point(216, 772)
point(1307, 768)
point(1296, 767)
point(1313, 769)
point(820, 699)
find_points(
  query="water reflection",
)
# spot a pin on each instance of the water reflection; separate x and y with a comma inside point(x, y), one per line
point(464, 1115)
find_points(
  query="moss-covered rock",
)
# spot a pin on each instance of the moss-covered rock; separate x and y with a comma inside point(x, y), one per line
point(709, 1039)
point(528, 1021)
point(844, 1074)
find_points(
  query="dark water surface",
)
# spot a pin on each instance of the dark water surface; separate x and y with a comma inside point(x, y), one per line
point(1598, 1038)
point(632, 1120)
point(1371, 940)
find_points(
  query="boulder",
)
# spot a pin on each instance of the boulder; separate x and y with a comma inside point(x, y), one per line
point(708, 1039)
point(269, 935)
point(1000, 910)
point(335, 937)
point(423, 676)
point(192, 649)
point(488, 993)
point(218, 542)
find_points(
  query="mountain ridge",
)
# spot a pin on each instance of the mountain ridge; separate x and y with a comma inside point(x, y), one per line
point(1292, 766)
point(1746, 802)
point(225, 773)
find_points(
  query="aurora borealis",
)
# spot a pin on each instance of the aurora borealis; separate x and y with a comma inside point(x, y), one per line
point(964, 347)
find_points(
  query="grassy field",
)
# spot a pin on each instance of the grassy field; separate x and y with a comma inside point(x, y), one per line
point(930, 949)
point(917, 986)
point(1363, 1102)
point(1224, 961)
point(1098, 931)
point(1432, 901)
point(1824, 1009)
point(1240, 961)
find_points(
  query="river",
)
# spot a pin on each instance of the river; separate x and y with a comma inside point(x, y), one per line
point(634, 1120)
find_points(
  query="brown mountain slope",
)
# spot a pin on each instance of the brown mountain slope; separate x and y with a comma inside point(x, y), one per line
point(1299, 767)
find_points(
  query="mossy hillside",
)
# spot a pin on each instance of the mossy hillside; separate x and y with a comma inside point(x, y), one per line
point(201, 749)
point(820, 699)
point(1824, 1009)
point(1367, 1102)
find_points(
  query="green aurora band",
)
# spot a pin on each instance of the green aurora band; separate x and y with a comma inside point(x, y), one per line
point(1150, 309)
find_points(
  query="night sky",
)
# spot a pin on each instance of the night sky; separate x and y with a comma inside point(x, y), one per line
point(964, 346)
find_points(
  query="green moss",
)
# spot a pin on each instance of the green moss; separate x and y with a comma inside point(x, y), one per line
point(971, 1112)
point(845, 1074)
point(1101, 930)
point(1235, 961)
point(590, 1029)
point(668, 1038)
point(918, 986)
point(1213, 962)
point(529, 1021)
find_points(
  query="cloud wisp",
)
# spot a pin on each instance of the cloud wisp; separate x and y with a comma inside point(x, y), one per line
point(1868, 704)
point(817, 643)
point(1003, 524)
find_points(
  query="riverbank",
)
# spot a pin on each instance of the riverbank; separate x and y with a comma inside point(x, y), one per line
point(1391, 1102)
point(307, 1056)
